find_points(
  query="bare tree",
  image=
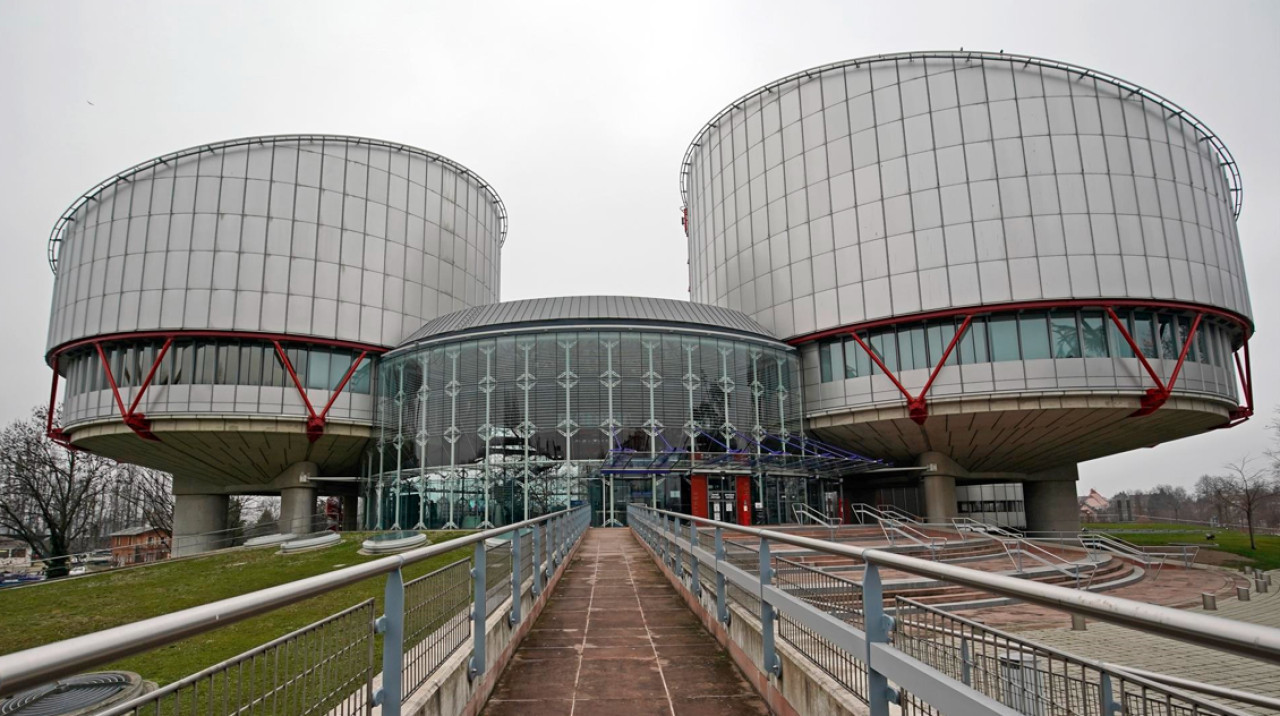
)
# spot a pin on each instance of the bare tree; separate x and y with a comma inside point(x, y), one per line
point(48, 494)
point(1246, 488)
point(150, 494)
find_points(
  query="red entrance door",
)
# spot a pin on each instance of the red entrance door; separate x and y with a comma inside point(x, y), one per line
point(744, 500)
point(698, 495)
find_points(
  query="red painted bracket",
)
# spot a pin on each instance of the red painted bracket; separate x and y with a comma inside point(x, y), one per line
point(316, 421)
point(134, 420)
point(1156, 397)
point(917, 405)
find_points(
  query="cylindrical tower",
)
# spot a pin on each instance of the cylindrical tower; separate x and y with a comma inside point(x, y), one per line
point(216, 311)
point(995, 266)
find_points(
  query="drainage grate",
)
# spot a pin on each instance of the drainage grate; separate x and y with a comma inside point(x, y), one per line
point(74, 694)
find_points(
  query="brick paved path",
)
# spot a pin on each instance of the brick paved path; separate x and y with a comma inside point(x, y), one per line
point(1128, 647)
point(616, 639)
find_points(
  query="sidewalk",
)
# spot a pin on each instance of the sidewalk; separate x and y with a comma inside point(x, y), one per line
point(615, 639)
point(1128, 647)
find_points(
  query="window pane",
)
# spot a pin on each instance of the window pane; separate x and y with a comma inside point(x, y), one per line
point(973, 344)
point(1066, 336)
point(339, 364)
point(824, 360)
point(1168, 337)
point(857, 364)
point(1094, 334)
point(273, 370)
point(1184, 330)
point(1144, 333)
point(318, 376)
point(885, 346)
point(919, 356)
point(1119, 346)
point(204, 364)
point(1203, 353)
point(228, 364)
point(940, 336)
point(1004, 338)
point(360, 379)
point(836, 358)
point(1215, 344)
point(1035, 336)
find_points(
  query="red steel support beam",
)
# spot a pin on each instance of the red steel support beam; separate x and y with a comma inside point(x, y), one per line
point(917, 405)
point(1151, 400)
point(137, 422)
point(155, 365)
point(58, 435)
point(316, 421)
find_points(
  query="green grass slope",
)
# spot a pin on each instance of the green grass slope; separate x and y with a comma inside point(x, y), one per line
point(61, 609)
point(1266, 556)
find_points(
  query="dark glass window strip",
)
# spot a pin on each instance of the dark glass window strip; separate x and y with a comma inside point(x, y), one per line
point(1025, 335)
point(210, 361)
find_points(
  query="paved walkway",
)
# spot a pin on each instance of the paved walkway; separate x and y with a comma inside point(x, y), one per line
point(616, 639)
point(1128, 647)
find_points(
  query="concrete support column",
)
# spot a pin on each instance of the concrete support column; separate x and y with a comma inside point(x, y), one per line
point(198, 523)
point(1050, 500)
point(350, 506)
point(297, 508)
point(939, 483)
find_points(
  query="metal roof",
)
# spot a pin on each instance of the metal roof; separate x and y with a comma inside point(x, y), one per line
point(589, 309)
point(59, 229)
point(1128, 90)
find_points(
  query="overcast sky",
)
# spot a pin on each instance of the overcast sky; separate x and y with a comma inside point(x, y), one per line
point(578, 114)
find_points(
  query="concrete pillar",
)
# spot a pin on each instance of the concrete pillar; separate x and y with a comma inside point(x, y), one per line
point(297, 509)
point(350, 506)
point(198, 523)
point(939, 483)
point(1050, 500)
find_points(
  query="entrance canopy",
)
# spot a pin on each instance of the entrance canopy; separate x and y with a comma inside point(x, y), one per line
point(768, 454)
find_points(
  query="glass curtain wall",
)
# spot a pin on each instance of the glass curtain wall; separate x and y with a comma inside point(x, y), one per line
point(493, 430)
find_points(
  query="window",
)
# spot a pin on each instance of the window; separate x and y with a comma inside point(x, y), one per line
point(857, 364)
point(939, 338)
point(1004, 338)
point(1144, 333)
point(1066, 335)
point(1093, 334)
point(1035, 335)
point(973, 344)
point(1120, 346)
point(884, 344)
point(824, 360)
point(1168, 337)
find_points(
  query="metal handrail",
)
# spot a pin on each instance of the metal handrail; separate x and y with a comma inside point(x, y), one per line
point(800, 509)
point(38, 665)
point(1251, 640)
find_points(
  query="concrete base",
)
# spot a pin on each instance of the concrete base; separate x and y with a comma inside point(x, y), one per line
point(297, 510)
point(1050, 498)
point(199, 522)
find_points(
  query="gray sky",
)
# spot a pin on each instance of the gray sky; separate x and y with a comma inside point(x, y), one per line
point(578, 114)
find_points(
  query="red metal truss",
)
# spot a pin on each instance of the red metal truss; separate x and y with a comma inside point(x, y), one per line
point(316, 421)
point(138, 422)
point(917, 406)
point(1152, 399)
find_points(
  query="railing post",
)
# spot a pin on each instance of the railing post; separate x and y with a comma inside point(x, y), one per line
point(966, 666)
point(479, 610)
point(771, 663)
point(559, 541)
point(516, 581)
point(696, 586)
point(877, 629)
point(675, 549)
point(722, 606)
point(392, 627)
point(1108, 705)
point(536, 561)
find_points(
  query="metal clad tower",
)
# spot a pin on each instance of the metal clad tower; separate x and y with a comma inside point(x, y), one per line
point(217, 310)
point(995, 266)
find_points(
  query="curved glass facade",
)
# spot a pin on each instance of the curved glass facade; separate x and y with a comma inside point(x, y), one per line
point(476, 430)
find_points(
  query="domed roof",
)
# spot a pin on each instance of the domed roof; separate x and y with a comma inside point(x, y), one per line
point(578, 310)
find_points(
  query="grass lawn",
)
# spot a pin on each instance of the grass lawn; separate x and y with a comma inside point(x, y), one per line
point(1266, 556)
point(60, 609)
